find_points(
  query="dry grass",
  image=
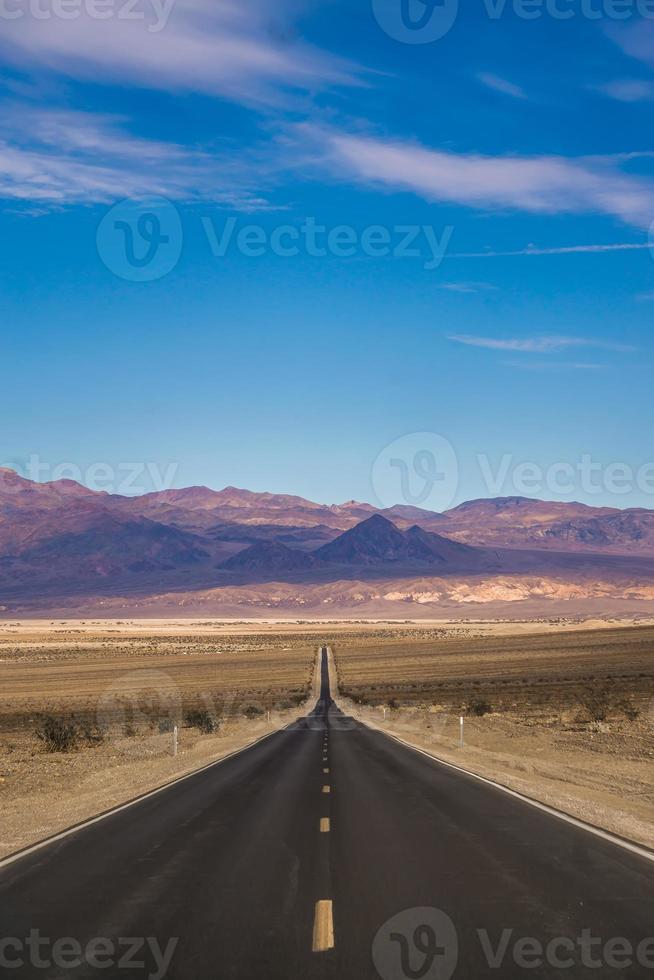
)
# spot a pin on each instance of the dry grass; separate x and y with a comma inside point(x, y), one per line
point(556, 668)
point(89, 675)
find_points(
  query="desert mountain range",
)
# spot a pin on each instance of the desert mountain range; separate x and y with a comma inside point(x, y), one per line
point(235, 552)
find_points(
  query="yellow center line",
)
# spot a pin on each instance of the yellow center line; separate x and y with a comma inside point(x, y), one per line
point(323, 927)
point(325, 771)
point(324, 825)
point(326, 789)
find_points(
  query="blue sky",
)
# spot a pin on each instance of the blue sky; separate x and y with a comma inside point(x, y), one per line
point(522, 145)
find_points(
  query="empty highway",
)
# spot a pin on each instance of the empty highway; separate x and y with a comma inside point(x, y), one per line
point(328, 850)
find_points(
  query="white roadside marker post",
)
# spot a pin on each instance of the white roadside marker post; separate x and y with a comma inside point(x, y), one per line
point(461, 731)
point(175, 740)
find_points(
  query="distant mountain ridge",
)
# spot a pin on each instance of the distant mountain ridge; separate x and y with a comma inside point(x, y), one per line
point(64, 538)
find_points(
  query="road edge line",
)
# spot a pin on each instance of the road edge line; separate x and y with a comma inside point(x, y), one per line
point(62, 834)
point(640, 849)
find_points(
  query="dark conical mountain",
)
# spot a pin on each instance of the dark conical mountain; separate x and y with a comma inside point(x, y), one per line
point(373, 540)
point(435, 547)
point(378, 540)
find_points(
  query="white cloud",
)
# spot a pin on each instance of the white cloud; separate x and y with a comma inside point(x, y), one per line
point(501, 85)
point(69, 131)
point(551, 344)
point(636, 39)
point(467, 287)
point(553, 365)
point(627, 90)
point(217, 47)
point(536, 184)
point(557, 250)
point(62, 157)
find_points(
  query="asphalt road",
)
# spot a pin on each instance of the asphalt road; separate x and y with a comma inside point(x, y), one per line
point(420, 872)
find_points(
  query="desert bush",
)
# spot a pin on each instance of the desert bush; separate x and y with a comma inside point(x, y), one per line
point(479, 707)
point(253, 711)
point(201, 719)
point(596, 702)
point(92, 734)
point(631, 712)
point(58, 735)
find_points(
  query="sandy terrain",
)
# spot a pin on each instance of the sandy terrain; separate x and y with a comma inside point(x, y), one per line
point(556, 666)
point(527, 596)
point(75, 670)
point(63, 631)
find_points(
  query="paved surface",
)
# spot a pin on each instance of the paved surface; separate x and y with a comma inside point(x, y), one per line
point(234, 860)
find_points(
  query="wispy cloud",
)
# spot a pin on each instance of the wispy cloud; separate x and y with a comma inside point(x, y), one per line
point(627, 90)
point(550, 344)
point(636, 39)
point(467, 287)
point(245, 53)
point(216, 47)
point(553, 365)
point(538, 185)
point(501, 85)
point(61, 157)
point(558, 250)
